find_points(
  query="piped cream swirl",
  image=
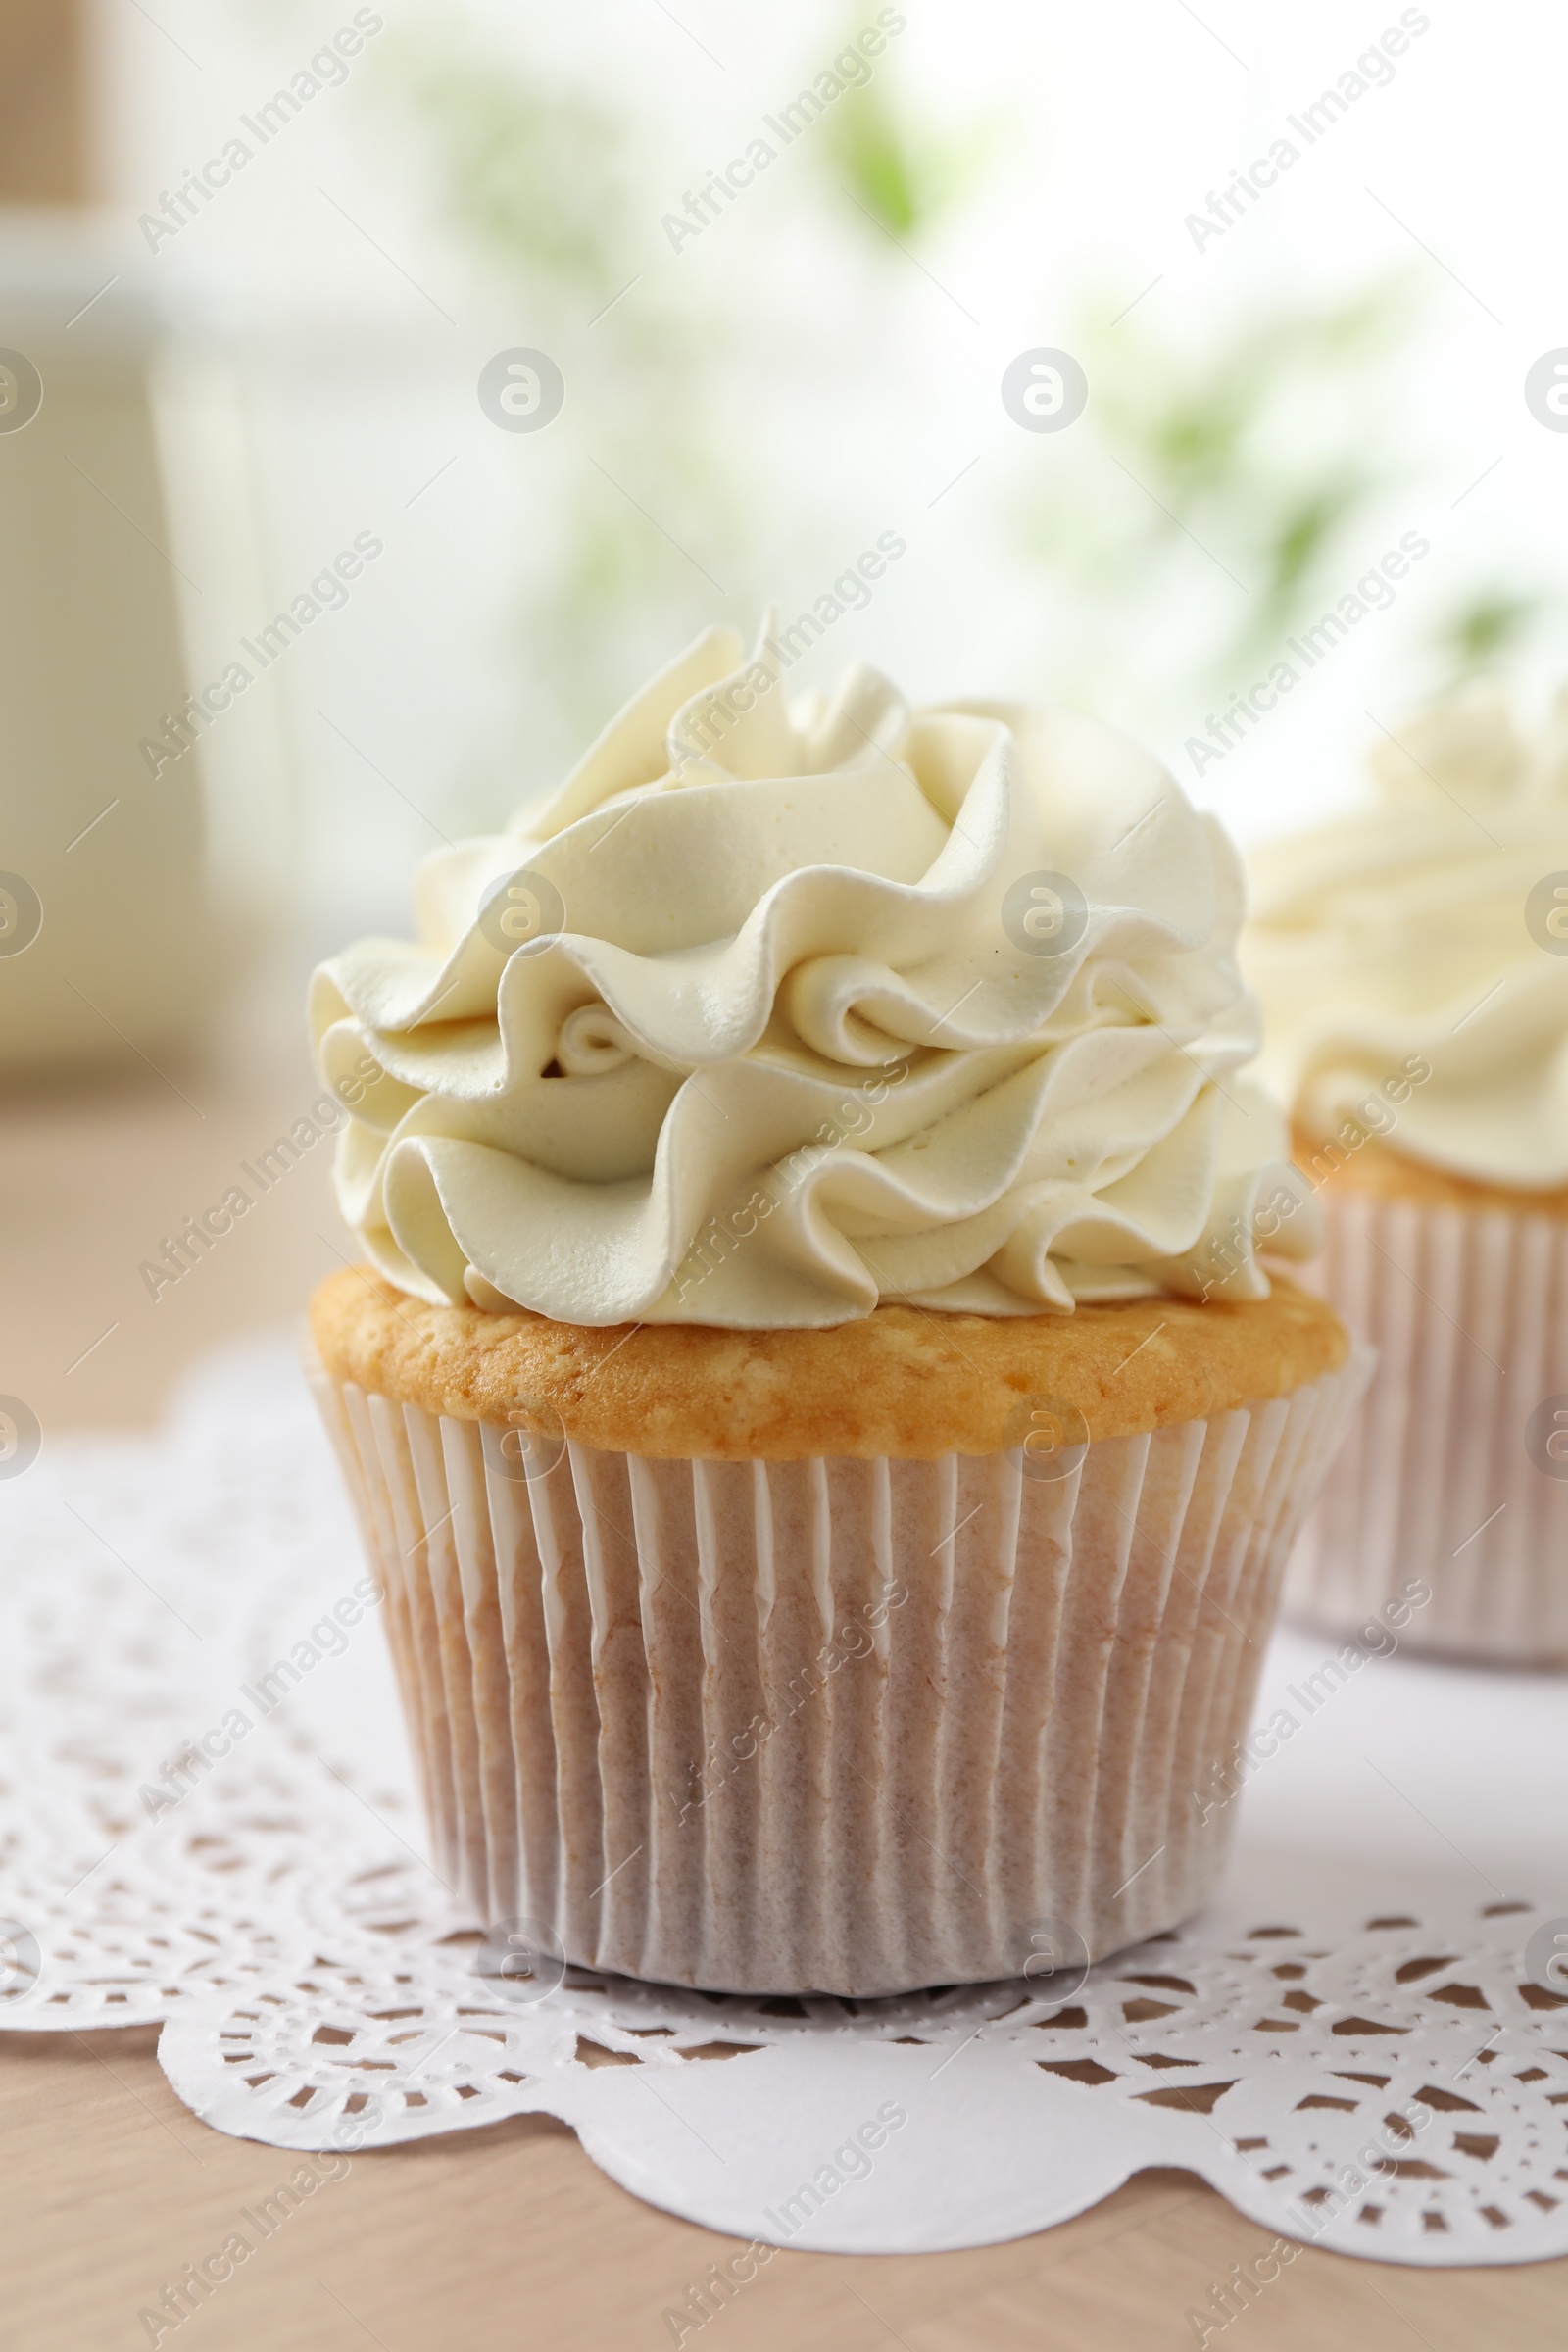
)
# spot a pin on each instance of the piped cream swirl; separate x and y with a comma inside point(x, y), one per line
point(1414, 929)
point(776, 1042)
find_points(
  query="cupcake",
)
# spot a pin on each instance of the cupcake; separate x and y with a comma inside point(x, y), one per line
point(813, 1397)
point(1412, 958)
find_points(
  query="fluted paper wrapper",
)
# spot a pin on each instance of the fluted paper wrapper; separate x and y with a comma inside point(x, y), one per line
point(832, 1725)
point(1436, 1483)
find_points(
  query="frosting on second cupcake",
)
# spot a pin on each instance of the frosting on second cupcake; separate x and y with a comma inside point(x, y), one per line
point(784, 1005)
point(1422, 928)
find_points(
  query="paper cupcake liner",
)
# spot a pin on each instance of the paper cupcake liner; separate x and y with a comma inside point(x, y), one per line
point(832, 1725)
point(1437, 1486)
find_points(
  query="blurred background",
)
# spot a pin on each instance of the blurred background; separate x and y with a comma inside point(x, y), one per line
point(256, 259)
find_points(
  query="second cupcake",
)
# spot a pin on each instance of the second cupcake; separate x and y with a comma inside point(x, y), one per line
point(1412, 963)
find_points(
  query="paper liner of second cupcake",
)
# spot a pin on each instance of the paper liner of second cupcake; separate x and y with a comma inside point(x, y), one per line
point(831, 1724)
point(1445, 1516)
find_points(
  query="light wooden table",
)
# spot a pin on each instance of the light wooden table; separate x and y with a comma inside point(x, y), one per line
point(507, 2237)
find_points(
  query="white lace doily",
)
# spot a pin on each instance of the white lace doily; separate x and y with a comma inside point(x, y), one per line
point(1384, 2080)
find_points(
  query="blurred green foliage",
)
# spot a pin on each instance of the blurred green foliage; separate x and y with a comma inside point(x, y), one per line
point(909, 175)
point(511, 157)
point(1275, 449)
point(1488, 629)
point(1277, 446)
point(1270, 448)
point(537, 177)
point(546, 183)
point(863, 139)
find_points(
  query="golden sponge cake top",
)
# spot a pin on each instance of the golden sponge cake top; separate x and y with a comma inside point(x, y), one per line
point(901, 1380)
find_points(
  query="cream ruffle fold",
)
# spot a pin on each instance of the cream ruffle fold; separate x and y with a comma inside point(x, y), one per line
point(796, 967)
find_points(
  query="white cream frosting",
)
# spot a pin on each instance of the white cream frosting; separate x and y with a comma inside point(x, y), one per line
point(782, 1057)
point(1396, 933)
